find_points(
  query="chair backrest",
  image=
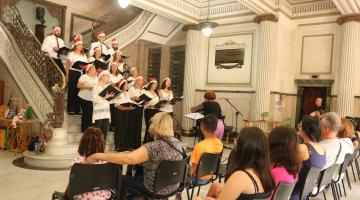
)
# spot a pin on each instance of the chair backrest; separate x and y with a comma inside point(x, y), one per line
point(347, 161)
point(170, 172)
point(283, 191)
point(326, 177)
point(310, 182)
point(209, 164)
point(88, 178)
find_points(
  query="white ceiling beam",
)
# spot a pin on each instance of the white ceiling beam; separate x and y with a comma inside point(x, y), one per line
point(348, 6)
point(260, 6)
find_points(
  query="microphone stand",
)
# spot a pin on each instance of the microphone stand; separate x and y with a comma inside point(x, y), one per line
point(237, 113)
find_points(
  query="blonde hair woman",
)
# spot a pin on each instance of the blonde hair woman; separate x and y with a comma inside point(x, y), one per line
point(149, 155)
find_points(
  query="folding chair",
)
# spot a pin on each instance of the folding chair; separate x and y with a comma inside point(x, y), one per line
point(283, 191)
point(208, 165)
point(325, 179)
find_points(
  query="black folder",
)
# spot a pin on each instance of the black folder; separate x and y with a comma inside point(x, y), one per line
point(130, 104)
point(176, 99)
point(106, 57)
point(99, 65)
point(64, 50)
point(160, 103)
point(79, 65)
point(109, 89)
point(144, 97)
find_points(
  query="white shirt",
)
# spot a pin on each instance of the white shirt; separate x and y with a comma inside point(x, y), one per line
point(122, 98)
point(86, 94)
point(101, 106)
point(134, 92)
point(153, 101)
point(115, 79)
point(121, 67)
point(74, 57)
point(332, 147)
point(131, 81)
point(95, 44)
point(92, 59)
point(49, 44)
point(166, 96)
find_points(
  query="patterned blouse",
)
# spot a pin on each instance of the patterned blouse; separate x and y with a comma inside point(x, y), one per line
point(159, 150)
point(98, 195)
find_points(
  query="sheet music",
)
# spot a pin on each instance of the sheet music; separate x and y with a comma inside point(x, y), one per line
point(194, 116)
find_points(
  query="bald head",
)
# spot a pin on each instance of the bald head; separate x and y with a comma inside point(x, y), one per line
point(318, 102)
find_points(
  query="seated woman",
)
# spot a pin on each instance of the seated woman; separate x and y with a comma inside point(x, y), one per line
point(210, 106)
point(312, 153)
point(284, 154)
point(149, 156)
point(250, 167)
point(91, 142)
point(346, 135)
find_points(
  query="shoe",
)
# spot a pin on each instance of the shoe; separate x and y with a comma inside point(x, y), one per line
point(71, 113)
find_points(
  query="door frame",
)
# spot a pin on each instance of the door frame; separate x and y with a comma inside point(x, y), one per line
point(302, 83)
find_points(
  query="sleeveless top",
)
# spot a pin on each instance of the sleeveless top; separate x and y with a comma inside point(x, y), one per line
point(316, 160)
point(257, 195)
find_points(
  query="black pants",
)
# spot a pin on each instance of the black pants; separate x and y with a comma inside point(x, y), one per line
point(136, 116)
point(73, 102)
point(122, 130)
point(102, 124)
point(148, 114)
point(60, 64)
point(134, 186)
point(87, 111)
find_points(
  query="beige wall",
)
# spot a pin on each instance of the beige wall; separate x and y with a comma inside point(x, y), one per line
point(11, 88)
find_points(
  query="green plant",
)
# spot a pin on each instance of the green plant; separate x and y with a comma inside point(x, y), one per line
point(29, 113)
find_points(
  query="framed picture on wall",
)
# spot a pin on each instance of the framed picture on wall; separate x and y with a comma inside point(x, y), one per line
point(230, 59)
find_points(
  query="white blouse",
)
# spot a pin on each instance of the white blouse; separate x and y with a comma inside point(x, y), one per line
point(134, 92)
point(122, 98)
point(86, 94)
point(101, 106)
point(74, 57)
point(166, 96)
point(115, 79)
point(153, 101)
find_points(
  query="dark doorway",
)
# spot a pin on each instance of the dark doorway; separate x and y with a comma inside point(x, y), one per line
point(308, 96)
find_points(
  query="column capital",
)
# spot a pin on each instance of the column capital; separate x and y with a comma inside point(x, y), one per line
point(347, 18)
point(190, 27)
point(265, 17)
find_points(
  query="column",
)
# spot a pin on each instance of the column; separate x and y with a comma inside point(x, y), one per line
point(266, 63)
point(349, 64)
point(193, 71)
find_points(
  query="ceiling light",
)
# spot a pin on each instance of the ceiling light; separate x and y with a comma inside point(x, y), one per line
point(207, 27)
point(123, 3)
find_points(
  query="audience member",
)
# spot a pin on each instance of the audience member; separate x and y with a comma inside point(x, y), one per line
point(91, 142)
point(210, 106)
point(330, 124)
point(211, 144)
point(347, 134)
point(251, 167)
point(311, 152)
point(284, 154)
point(150, 155)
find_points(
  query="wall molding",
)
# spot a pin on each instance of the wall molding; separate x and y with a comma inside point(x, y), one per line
point(228, 91)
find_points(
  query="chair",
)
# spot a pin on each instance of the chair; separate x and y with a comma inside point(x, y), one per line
point(311, 181)
point(341, 173)
point(325, 179)
point(169, 172)
point(89, 178)
point(283, 191)
point(224, 167)
point(209, 164)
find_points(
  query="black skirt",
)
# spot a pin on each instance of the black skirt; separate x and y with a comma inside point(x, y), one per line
point(122, 130)
point(135, 124)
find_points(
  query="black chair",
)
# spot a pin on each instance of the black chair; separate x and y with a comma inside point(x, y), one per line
point(283, 191)
point(340, 175)
point(311, 182)
point(88, 178)
point(224, 167)
point(169, 172)
point(209, 164)
point(325, 179)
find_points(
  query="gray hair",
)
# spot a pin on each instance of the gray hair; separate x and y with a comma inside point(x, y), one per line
point(331, 120)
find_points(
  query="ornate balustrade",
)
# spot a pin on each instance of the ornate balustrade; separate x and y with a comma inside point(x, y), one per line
point(46, 70)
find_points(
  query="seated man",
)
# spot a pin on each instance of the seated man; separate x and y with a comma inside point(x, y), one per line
point(335, 150)
point(211, 144)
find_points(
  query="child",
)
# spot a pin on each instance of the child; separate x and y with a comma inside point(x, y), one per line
point(91, 142)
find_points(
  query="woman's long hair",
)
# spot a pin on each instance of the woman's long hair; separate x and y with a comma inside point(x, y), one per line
point(148, 87)
point(163, 84)
point(91, 142)
point(252, 152)
point(284, 151)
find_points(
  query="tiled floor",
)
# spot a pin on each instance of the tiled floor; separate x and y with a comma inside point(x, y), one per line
point(18, 183)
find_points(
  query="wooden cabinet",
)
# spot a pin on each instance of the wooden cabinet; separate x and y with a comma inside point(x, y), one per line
point(2, 90)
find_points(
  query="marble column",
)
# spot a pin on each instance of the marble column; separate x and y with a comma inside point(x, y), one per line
point(349, 64)
point(195, 45)
point(266, 63)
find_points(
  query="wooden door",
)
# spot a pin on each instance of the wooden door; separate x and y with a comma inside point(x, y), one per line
point(308, 96)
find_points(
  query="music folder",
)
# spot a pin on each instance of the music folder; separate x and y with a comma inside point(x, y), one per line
point(144, 97)
point(160, 103)
point(64, 50)
point(106, 57)
point(109, 89)
point(99, 65)
point(133, 104)
point(176, 99)
point(79, 65)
